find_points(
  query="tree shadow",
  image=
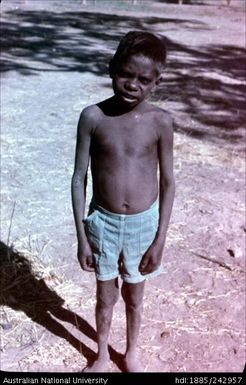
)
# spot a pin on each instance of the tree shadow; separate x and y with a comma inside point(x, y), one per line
point(22, 291)
point(207, 83)
point(34, 41)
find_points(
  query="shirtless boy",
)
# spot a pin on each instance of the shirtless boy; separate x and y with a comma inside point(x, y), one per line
point(126, 139)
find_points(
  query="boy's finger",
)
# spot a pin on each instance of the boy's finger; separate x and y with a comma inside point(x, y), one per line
point(147, 267)
point(90, 264)
point(144, 262)
point(88, 267)
point(143, 265)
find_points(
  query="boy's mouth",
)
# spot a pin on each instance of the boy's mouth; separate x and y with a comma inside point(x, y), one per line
point(128, 97)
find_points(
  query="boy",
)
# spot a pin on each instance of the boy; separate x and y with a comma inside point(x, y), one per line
point(126, 139)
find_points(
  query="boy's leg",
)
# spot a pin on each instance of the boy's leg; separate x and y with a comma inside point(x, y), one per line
point(132, 294)
point(107, 296)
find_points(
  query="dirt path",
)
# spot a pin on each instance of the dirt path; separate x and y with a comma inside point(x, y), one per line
point(55, 63)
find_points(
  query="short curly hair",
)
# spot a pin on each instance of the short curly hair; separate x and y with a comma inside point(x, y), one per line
point(140, 43)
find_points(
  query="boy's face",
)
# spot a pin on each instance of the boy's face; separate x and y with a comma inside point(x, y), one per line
point(134, 79)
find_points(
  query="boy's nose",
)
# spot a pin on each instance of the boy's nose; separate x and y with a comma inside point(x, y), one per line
point(131, 85)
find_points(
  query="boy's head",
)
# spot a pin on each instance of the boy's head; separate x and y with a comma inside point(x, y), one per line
point(140, 43)
point(136, 67)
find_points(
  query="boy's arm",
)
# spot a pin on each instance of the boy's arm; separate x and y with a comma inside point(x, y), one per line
point(79, 180)
point(152, 258)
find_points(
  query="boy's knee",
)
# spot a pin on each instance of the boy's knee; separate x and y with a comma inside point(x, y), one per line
point(133, 306)
point(107, 293)
point(133, 300)
point(107, 301)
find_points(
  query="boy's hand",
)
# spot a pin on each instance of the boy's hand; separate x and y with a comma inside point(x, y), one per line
point(85, 257)
point(151, 260)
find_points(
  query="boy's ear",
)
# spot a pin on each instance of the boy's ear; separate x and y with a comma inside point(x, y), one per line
point(158, 80)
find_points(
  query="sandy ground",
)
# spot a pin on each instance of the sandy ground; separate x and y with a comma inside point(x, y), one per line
point(54, 64)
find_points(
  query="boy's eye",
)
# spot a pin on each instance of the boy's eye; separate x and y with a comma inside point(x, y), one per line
point(145, 80)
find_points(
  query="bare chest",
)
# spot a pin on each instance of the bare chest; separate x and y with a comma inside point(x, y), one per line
point(125, 138)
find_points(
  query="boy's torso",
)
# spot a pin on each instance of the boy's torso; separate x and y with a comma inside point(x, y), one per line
point(124, 159)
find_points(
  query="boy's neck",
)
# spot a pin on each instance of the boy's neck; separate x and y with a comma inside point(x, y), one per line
point(113, 107)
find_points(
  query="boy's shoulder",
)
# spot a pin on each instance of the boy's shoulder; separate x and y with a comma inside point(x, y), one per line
point(90, 113)
point(162, 117)
point(89, 117)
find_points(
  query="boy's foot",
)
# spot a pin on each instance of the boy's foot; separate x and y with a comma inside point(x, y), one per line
point(132, 364)
point(99, 365)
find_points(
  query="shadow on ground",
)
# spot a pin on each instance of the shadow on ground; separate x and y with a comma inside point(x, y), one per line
point(205, 82)
point(22, 291)
point(209, 83)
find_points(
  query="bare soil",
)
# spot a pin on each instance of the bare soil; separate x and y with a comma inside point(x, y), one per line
point(54, 63)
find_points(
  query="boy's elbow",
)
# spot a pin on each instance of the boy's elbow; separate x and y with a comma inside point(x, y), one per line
point(168, 184)
point(77, 180)
point(171, 185)
point(172, 182)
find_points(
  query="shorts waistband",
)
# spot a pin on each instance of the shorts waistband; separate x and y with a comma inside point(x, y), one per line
point(153, 207)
